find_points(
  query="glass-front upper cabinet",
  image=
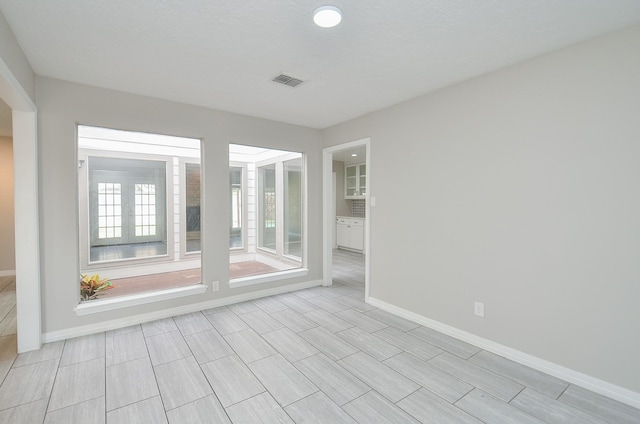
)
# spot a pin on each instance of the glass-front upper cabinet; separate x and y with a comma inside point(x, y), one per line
point(355, 184)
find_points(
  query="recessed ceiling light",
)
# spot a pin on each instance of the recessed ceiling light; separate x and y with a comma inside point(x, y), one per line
point(354, 155)
point(327, 16)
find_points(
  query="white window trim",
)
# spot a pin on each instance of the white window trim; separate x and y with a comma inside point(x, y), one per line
point(245, 211)
point(83, 205)
point(267, 278)
point(114, 303)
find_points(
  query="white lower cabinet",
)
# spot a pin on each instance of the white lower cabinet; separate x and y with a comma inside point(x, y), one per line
point(350, 233)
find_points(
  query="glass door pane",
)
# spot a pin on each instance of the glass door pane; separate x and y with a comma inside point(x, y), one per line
point(293, 208)
point(236, 239)
point(267, 204)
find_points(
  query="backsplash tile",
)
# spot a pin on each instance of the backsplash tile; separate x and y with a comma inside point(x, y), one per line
point(358, 208)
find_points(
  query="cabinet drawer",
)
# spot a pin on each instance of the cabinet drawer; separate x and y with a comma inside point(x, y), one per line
point(342, 221)
point(356, 222)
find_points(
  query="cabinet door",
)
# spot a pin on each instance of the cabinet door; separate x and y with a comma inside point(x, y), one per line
point(362, 179)
point(350, 181)
point(356, 237)
point(342, 235)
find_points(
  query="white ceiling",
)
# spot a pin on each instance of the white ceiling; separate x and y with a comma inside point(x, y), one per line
point(223, 54)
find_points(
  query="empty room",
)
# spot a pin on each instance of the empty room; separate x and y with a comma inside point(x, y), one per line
point(319, 212)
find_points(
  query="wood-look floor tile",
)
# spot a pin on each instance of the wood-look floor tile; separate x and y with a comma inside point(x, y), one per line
point(540, 382)
point(285, 383)
point(411, 344)
point(125, 347)
point(305, 294)
point(208, 346)
point(8, 347)
point(355, 304)
point(167, 347)
point(32, 412)
point(392, 320)
point(318, 409)
point(429, 376)
point(143, 412)
point(328, 320)
point(606, 409)
point(259, 409)
point(249, 345)
point(429, 408)
point(243, 307)
point(231, 380)
point(226, 322)
point(289, 344)
point(328, 343)
point(192, 323)
point(181, 382)
point(159, 326)
point(550, 410)
point(202, 411)
point(489, 409)
point(28, 383)
point(361, 320)
point(46, 352)
point(494, 384)
point(373, 408)
point(336, 382)
point(261, 322)
point(130, 382)
point(297, 304)
point(293, 320)
point(78, 383)
point(88, 412)
point(450, 344)
point(269, 304)
point(368, 343)
point(328, 305)
point(389, 383)
point(9, 324)
point(83, 348)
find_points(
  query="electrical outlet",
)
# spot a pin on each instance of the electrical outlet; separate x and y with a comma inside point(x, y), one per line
point(215, 286)
point(479, 309)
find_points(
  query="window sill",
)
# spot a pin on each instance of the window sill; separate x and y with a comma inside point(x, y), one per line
point(266, 278)
point(103, 305)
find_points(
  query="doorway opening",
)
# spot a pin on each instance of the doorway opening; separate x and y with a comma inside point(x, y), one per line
point(346, 178)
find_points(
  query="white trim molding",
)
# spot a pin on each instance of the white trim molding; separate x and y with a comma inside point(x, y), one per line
point(588, 382)
point(84, 330)
point(110, 304)
point(266, 278)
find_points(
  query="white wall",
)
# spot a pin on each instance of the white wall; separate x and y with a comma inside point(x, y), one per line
point(519, 189)
point(7, 227)
point(61, 105)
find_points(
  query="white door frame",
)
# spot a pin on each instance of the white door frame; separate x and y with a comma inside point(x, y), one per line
point(328, 197)
point(27, 248)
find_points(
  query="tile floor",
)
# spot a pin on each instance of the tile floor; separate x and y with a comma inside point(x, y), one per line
point(319, 355)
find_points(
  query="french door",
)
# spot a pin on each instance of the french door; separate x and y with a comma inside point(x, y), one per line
point(127, 201)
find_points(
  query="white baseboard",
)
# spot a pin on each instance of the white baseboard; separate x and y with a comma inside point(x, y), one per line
point(8, 273)
point(84, 330)
point(602, 387)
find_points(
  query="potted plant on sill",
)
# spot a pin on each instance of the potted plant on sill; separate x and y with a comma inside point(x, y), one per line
point(92, 287)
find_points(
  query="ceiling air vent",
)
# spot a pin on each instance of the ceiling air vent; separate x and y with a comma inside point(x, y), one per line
point(287, 80)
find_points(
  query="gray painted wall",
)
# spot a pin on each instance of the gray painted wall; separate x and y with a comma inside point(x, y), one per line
point(342, 205)
point(519, 189)
point(13, 57)
point(61, 105)
point(7, 227)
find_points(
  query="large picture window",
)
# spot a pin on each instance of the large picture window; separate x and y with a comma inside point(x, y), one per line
point(274, 192)
point(139, 205)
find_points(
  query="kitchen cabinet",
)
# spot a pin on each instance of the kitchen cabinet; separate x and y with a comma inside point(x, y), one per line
point(350, 233)
point(355, 181)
